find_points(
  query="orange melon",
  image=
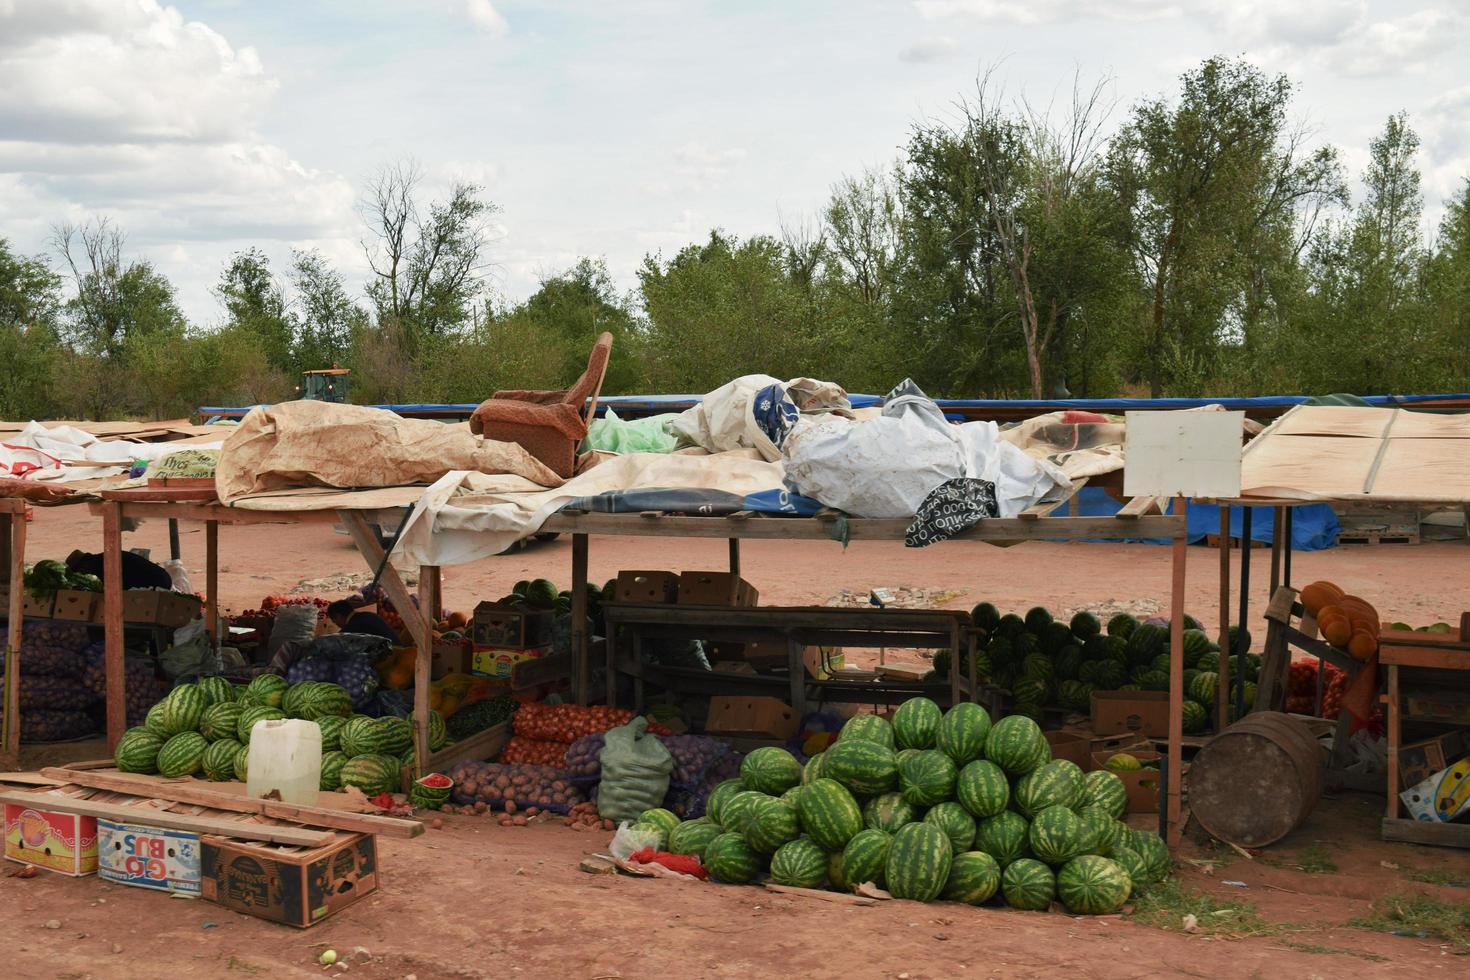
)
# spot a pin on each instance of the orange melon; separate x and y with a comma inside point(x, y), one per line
point(1350, 603)
point(1319, 594)
point(1337, 631)
point(1362, 645)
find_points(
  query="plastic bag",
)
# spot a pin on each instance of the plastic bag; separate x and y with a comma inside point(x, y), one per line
point(293, 623)
point(179, 575)
point(614, 435)
point(627, 841)
point(184, 659)
point(751, 412)
point(635, 771)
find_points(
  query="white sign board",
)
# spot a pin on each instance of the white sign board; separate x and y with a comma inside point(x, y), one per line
point(1182, 454)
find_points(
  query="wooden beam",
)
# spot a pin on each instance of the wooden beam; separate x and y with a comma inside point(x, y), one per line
point(1138, 507)
point(429, 601)
point(1045, 508)
point(15, 538)
point(1222, 688)
point(580, 645)
point(1176, 681)
point(112, 621)
point(1425, 832)
point(154, 817)
point(155, 511)
point(190, 791)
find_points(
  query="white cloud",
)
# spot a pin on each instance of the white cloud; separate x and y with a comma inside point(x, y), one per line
point(705, 167)
point(1398, 46)
point(482, 14)
point(1299, 23)
point(929, 49)
point(1045, 11)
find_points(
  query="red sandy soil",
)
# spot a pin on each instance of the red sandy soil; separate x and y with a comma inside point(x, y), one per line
point(472, 899)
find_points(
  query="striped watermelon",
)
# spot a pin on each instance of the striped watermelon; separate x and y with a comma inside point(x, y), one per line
point(1122, 625)
point(916, 724)
point(770, 770)
point(221, 721)
point(973, 878)
point(1015, 743)
point(814, 769)
point(216, 690)
point(1029, 885)
point(266, 689)
point(888, 812)
point(392, 735)
point(1196, 718)
point(918, 863)
point(429, 792)
point(322, 700)
point(693, 836)
point(800, 864)
point(962, 732)
point(359, 736)
point(1106, 791)
point(438, 732)
point(982, 788)
point(927, 777)
point(791, 796)
point(714, 804)
point(250, 716)
point(772, 823)
point(739, 810)
point(331, 728)
point(1005, 837)
point(1127, 858)
point(1092, 885)
point(331, 771)
point(728, 858)
point(182, 709)
point(219, 760)
point(373, 774)
point(1206, 685)
point(154, 721)
point(1057, 783)
point(865, 857)
point(1102, 829)
point(1150, 847)
point(834, 872)
point(1057, 835)
point(864, 767)
point(137, 750)
point(956, 823)
point(661, 817)
point(867, 728)
point(829, 814)
point(182, 755)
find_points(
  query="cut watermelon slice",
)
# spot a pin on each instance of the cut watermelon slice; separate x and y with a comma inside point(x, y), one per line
point(436, 780)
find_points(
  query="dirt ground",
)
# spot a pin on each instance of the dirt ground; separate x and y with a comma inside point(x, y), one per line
point(472, 899)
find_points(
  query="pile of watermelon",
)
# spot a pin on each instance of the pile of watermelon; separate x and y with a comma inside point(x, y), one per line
point(204, 729)
point(1041, 661)
point(935, 805)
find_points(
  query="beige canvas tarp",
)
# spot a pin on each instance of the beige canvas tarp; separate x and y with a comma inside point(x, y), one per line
point(1379, 455)
point(316, 444)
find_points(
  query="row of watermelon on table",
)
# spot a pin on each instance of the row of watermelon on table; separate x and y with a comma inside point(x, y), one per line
point(934, 805)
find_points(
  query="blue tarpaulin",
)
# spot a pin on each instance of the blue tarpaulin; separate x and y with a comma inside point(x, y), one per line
point(1313, 526)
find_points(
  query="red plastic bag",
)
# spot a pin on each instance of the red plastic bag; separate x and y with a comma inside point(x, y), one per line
point(685, 864)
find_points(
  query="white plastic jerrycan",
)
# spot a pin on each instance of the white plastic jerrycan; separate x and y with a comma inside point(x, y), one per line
point(285, 756)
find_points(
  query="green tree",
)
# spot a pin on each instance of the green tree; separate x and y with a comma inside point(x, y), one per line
point(30, 299)
point(326, 315)
point(255, 302)
point(1449, 286)
point(574, 308)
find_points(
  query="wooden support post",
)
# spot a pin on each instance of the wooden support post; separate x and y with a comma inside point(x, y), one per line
point(1393, 719)
point(211, 582)
point(428, 600)
point(956, 664)
point(798, 675)
point(1278, 526)
point(432, 577)
point(1176, 675)
point(15, 566)
point(1245, 593)
point(1222, 692)
point(734, 570)
point(1286, 557)
point(580, 644)
point(112, 622)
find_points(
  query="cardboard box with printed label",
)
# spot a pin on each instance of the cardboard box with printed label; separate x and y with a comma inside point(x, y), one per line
point(715, 589)
point(289, 885)
point(450, 657)
point(645, 588)
point(1443, 797)
point(148, 857)
point(495, 625)
point(62, 842)
point(1420, 760)
point(500, 662)
point(1139, 712)
point(766, 717)
point(1142, 784)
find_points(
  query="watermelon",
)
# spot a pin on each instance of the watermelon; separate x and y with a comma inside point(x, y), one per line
point(1075, 695)
point(772, 824)
point(651, 833)
point(250, 716)
point(242, 763)
point(541, 593)
point(390, 736)
point(1038, 618)
point(323, 700)
point(331, 771)
point(661, 817)
point(918, 863)
point(373, 774)
point(1098, 830)
point(729, 858)
point(888, 812)
point(829, 814)
point(1029, 885)
point(714, 803)
point(218, 762)
point(154, 721)
point(1101, 788)
point(1057, 783)
point(1010, 626)
point(1092, 885)
point(916, 723)
point(216, 690)
point(182, 709)
point(1122, 625)
point(927, 777)
point(1068, 661)
point(266, 689)
point(438, 731)
point(1054, 637)
point(137, 750)
point(865, 767)
point(791, 796)
point(1085, 625)
point(182, 755)
point(739, 810)
point(985, 616)
point(800, 864)
point(770, 770)
point(1038, 667)
point(1151, 849)
point(867, 728)
point(1196, 718)
point(429, 792)
point(693, 836)
point(1058, 835)
point(814, 769)
point(1004, 837)
point(1209, 660)
point(1206, 684)
point(834, 872)
point(331, 729)
point(362, 735)
point(865, 857)
point(1122, 762)
point(956, 823)
point(974, 877)
point(221, 721)
point(962, 732)
point(982, 788)
point(1127, 858)
point(1015, 743)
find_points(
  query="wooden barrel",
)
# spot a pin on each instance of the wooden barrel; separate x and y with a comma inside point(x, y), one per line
point(1257, 780)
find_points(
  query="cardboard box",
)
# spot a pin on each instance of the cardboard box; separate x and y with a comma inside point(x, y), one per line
point(289, 885)
point(764, 717)
point(1420, 760)
point(715, 589)
point(1072, 747)
point(1140, 712)
point(1142, 784)
point(62, 842)
point(450, 657)
point(767, 655)
point(1442, 707)
point(31, 607)
point(508, 626)
point(159, 607)
point(148, 857)
point(645, 588)
point(1443, 797)
point(500, 662)
point(724, 652)
point(76, 605)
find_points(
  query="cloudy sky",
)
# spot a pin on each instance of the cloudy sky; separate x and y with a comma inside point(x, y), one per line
point(607, 127)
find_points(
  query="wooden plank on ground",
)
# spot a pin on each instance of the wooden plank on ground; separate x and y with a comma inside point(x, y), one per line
point(836, 898)
point(220, 826)
point(1425, 832)
point(187, 791)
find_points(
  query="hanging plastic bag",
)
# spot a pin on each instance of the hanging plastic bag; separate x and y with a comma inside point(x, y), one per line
point(635, 772)
point(628, 841)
